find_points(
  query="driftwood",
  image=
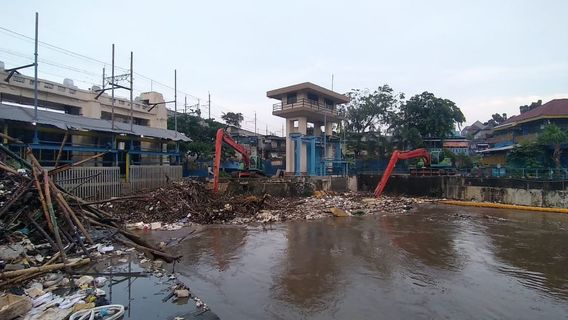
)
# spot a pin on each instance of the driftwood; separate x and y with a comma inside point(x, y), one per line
point(74, 164)
point(61, 148)
point(45, 268)
point(57, 217)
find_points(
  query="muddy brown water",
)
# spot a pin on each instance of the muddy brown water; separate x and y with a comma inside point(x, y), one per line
point(436, 262)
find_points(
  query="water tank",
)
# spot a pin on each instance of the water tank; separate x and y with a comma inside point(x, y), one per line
point(68, 83)
point(1, 65)
point(95, 88)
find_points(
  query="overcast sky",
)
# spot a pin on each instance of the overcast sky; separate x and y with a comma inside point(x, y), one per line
point(487, 56)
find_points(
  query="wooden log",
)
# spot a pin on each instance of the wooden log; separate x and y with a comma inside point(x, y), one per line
point(44, 268)
point(52, 215)
point(158, 253)
point(124, 198)
point(17, 195)
point(40, 230)
point(61, 148)
point(42, 200)
point(69, 166)
point(65, 206)
point(72, 227)
point(137, 242)
point(9, 169)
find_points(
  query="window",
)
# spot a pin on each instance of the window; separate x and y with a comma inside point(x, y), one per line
point(313, 97)
point(328, 103)
point(291, 98)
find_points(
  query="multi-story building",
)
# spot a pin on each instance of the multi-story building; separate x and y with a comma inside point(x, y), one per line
point(306, 106)
point(72, 124)
point(525, 127)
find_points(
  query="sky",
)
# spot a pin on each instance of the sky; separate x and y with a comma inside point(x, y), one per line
point(486, 56)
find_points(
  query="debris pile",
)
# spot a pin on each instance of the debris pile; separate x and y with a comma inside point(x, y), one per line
point(169, 207)
point(183, 200)
point(328, 204)
point(45, 230)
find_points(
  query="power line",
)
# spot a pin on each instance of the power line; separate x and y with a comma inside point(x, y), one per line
point(74, 54)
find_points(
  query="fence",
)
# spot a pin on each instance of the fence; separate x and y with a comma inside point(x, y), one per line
point(91, 183)
point(144, 177)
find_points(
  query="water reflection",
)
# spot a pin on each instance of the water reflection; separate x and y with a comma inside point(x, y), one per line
point(424, 236)
point(533, 250)
point(314, 278)
point(435, 262)
point(217, 247)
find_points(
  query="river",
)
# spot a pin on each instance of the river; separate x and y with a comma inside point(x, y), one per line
point(435, 262)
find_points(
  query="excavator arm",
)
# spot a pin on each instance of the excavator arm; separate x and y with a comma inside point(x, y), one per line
point(400, 155)
point(221, 137)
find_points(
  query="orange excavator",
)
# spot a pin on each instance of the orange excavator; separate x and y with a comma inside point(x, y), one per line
point(222, 136)
point(400, 155)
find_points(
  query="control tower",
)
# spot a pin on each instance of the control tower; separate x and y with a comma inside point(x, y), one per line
point(311, 113)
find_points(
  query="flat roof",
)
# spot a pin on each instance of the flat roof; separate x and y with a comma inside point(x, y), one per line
point(66, 121)
point(307, 86)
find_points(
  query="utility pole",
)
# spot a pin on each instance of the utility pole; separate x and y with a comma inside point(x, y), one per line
point(266, 129)
point(131, 91)
point(198, 108)
point(175, 101)
point(103, 86)
point(209, 104)
point(185, 105)
point(35, 67)
point(255, 123)
point(332, 82)
point(112, 90)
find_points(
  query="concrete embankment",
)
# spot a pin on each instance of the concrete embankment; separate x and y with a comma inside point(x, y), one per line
point(500, 190)
point(547, 194)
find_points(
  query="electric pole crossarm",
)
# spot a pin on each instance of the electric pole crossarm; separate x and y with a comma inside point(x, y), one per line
point(14, 70)
point(153, 105)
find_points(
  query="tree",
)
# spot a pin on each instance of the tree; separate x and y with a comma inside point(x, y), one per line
point(431, 116)
point(371, 111)
point(368, 115)
point(233, 119)
point(530, 155)
point(553, 135)
point(496, 119)
point(533, 105)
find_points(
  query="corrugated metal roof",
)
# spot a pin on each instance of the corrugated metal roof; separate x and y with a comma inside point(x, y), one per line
point(73, 122)
point(551, 109)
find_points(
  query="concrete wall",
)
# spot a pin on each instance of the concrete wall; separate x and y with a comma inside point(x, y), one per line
point(509, 191)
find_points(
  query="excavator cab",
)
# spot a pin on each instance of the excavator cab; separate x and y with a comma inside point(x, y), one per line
point(223, 137)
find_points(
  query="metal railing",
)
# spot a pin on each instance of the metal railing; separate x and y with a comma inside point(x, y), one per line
point(91, 183)
point(549, 174)
point(305, 103)
point(145, 177)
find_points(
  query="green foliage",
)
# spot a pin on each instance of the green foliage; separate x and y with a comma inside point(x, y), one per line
point(371, 111)
point(201, 131)
point(496, 119)
point(233, 119)
point(528, 155)
point(531, 106)
point(431, 116)
point(553, 135)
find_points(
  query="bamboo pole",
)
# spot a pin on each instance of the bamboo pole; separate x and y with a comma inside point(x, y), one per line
point(44, 268)
point(74, 164)
point(61, 148)
point(65, 207)
point(52, 215)
point(17, 195)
